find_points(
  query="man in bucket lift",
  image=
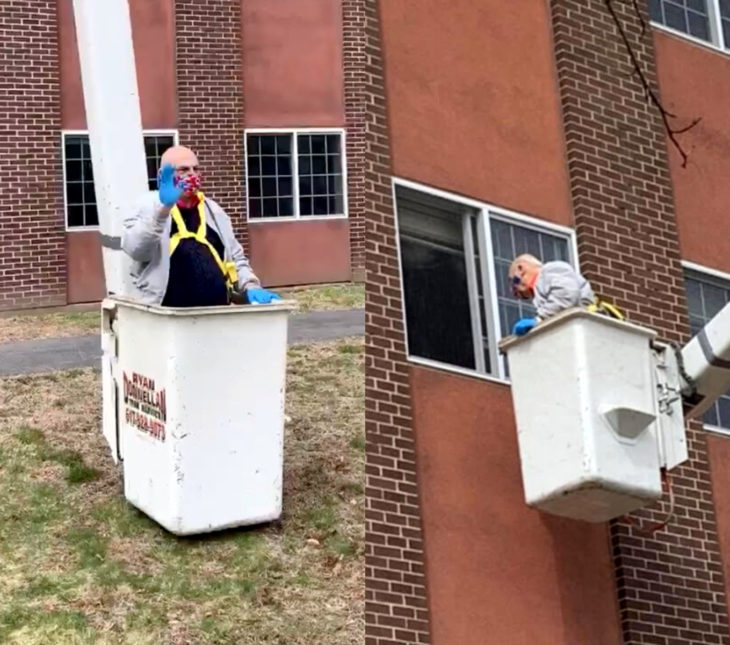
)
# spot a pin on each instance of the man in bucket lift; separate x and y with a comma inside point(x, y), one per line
point(183, 243)
point(553, 287)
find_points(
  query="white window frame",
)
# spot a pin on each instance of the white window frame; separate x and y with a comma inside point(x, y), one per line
point(295, 173)
point(717, 42)
point(725, 277)
point(486, 212)
point(64, 133)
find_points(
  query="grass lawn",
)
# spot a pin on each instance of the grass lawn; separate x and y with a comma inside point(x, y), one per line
point(80, 565)
point(28, 326)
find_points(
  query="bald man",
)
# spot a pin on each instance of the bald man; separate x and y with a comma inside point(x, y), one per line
point(553, 287)
point(185, 252)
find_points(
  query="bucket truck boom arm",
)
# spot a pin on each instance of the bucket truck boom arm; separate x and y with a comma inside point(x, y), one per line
point(706, 365)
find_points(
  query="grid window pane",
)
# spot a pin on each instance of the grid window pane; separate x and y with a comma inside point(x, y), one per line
point(269, 167)
point(688, 16)
point(79, 180)
point(510, 240)
point(154, 146)
point(80, 194)
point(698, 26)
point(311, 184)
point(706, 296)
point(320, 174)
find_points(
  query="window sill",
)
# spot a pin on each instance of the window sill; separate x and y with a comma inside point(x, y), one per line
point(717, 430)
point(445, 367)
point(697, 41)
point(82, 229)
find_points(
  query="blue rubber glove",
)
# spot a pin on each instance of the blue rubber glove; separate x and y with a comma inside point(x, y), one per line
point(523, 325)
point(168, 189)
point(259, 296)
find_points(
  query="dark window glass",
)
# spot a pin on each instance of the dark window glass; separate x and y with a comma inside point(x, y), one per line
point(698, 26)
point(90, 215)
point(435, 290)
point(269, 167)
point(305, 206)
point(75, 215)
point(155, 145)
point(688, 16)
point(320, 174)
point(655, 10)
point(675, 17)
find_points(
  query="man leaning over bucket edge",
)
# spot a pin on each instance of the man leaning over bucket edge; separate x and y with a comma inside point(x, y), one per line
point(553, 287)
point(185, 251)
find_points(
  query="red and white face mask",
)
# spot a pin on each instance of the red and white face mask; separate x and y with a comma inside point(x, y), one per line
point(191, 183)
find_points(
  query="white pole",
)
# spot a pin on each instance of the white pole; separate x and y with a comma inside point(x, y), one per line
point(106, 52)
point(706, 361)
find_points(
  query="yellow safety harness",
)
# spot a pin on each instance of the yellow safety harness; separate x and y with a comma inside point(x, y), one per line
point(227, 268)
point(602, 307)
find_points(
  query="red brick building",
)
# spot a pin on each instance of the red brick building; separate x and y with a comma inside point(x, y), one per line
point(269, 95)
point(503, 127)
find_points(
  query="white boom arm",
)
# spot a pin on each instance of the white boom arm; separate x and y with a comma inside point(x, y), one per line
point(706, 361)
point(106, 53)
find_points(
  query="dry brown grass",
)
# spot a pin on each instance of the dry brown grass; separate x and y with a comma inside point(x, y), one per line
point(327, 297)
point(56, 325)
point(29, 326)
point(80, 565)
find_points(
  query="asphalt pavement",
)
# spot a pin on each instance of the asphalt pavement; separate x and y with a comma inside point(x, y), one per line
point(50, 354)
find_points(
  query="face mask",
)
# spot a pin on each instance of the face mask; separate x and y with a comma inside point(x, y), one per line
point(192, 183)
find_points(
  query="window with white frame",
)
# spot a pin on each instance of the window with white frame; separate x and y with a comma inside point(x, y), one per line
point(706, 295)
point(707, 20)
point(295, 174)
point(79, 174)
point(454, 262)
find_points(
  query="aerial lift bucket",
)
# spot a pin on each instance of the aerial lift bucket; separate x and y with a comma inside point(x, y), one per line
point(196, 411)
point(193, 400)
point(598, 415)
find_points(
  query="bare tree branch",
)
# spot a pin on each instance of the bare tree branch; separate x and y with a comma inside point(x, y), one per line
point(649, 93)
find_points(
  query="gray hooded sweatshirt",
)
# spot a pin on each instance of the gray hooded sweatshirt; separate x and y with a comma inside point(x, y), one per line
point(146, 239)
point(558, 287)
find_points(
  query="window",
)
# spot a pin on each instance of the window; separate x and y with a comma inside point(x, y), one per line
point(706, 295)
point(79, 174)
point(295, 174)
point(707, 20)
point(454, 261)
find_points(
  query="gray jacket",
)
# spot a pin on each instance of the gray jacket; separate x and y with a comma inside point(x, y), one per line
point(146, 239)
point(559, 286)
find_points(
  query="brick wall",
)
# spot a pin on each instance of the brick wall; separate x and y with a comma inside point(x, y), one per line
point(670, 585)
point(208, 59)
point(354, 58)
point(32, 244)
point(396, 610)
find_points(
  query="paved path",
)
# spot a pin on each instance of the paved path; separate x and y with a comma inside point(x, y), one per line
point(46, 355)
